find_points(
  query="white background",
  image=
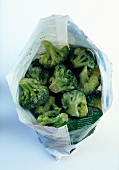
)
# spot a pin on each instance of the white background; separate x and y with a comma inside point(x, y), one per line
point(19, 146)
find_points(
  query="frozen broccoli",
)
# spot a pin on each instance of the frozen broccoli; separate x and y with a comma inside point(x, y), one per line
point(94, 99)
point(52, 55)
point(44, 77)
point(33, 94)
point(51, 118)
point(39, 74)
point(89, 80)
point(82, 57)
point(94, 111)
point(48, 106)
point(62, 80)
point(75, 104)
point(34, 73)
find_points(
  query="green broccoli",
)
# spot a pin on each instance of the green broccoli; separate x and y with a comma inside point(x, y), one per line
point(89, 80)
point(33, 93)
point(75, 104)
point(94, 99)
point(48, 106)
point(61, 86)
point(53, 119)
point(52, 55)
point(44, 77)
point(82, 57)
point(62, 80)
point(39, 74)
point(94, 111)
point(34, 73)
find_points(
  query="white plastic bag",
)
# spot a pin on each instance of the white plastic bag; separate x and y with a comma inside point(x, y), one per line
point(60, 30)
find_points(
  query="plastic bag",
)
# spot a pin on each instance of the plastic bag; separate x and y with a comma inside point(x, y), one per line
point(60, 30)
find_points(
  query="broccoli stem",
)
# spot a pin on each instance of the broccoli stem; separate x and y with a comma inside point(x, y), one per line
point(57, 121)
point(28, 87)
point(47, 45)
point(83, 77)
point(80, 59)
point(26, 92)
point(73, 109)
point(62, 118)
point(54, 87)
point(47, 120)
point(50, 50)
point(25, 88)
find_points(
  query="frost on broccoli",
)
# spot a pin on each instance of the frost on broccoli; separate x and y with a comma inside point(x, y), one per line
point(75, 104)
point(53, 55)
point(89, 80)
point(51, 118)
point(33, 94)
point(62, 80)
point(82, 57)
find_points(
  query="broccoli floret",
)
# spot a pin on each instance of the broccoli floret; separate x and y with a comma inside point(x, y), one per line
point(51, 118)
point(82, 57)
point(39, 74)
point(94, 111)
point(62, 80)
point(75, 104)
point(89, 80)
point(52, 55)
point(48, 106)
point(44, 77)
point(34, 94)
point(34, 73)
point(94, 99)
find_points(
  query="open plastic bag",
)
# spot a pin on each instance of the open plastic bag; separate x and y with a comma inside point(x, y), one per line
point(60, 30)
